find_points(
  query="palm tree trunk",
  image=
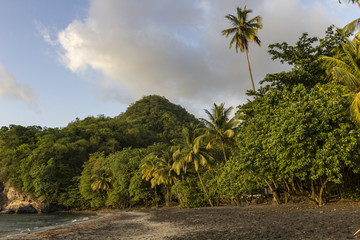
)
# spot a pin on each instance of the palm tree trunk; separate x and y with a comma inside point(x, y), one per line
point(223, 148)
point(168, 196)
point(248, 62)
point(156, 202)
point(203, 187)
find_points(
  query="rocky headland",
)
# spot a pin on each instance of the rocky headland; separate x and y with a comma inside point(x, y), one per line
point(14, 201)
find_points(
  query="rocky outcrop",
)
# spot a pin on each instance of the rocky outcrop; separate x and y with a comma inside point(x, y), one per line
point(13, 201)
point(26, 209)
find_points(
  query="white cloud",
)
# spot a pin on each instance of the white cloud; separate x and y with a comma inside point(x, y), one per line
point(45, 33)
point(11, 89)
point(175, 48)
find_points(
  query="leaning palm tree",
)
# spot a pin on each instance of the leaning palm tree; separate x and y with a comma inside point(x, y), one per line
point(220, 128)
point(192, 153)
point(344, 68)
point(243, 31)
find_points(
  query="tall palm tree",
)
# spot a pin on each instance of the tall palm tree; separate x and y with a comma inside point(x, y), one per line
point(191, 153)
point(344, 68)
point(220, 128)
point(243, 31)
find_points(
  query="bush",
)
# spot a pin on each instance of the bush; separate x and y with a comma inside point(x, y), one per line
point(189, 193)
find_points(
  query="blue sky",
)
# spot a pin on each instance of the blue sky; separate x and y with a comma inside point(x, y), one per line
point(60, 60)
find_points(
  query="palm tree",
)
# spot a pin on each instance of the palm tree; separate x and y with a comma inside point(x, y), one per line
point(344, 68)
point(190, 152)
point(220, 129)
point(148, 169)
point(101, 182)
point(243, 31)
point(157, 166)
point(164, 173)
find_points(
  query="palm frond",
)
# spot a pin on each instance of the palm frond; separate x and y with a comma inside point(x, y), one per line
point(196, 165)
point(345, 77)
point(255, 22)
point(227, 32)
point(257, 40)
point(233, 20)
point(352, 26)
point(331, 62)
point(355, 108)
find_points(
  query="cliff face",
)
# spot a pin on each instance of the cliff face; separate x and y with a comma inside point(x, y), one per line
point(13, 201)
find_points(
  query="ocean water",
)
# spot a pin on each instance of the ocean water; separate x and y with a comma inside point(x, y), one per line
point(23, 223)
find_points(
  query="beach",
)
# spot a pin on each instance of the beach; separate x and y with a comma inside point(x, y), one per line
point(264, 221)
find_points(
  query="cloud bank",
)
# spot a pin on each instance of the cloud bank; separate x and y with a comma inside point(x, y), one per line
point(11, 89)
point(175, 48)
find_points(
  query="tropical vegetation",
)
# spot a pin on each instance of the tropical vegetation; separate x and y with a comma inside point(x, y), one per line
point(298, 139)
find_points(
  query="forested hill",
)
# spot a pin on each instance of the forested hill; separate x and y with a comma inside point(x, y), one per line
point(153, 119)
point(48, 162)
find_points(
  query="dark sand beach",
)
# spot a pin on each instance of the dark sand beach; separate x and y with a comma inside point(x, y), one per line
point(292, 221)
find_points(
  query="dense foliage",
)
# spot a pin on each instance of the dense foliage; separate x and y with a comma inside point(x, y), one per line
point(79, 164)
point(296, 138)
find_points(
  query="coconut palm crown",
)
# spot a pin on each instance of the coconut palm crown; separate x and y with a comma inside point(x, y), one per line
point(220, 128)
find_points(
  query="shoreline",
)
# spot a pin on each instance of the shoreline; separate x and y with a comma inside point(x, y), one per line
point(91, 217)
point(292, 221)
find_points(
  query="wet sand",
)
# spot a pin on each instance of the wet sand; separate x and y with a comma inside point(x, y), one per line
point(293, 221)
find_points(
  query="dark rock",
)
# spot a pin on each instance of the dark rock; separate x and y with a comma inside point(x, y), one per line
point(26, 209)
point(3, 200)
point(8, 211)
point(50, 208)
